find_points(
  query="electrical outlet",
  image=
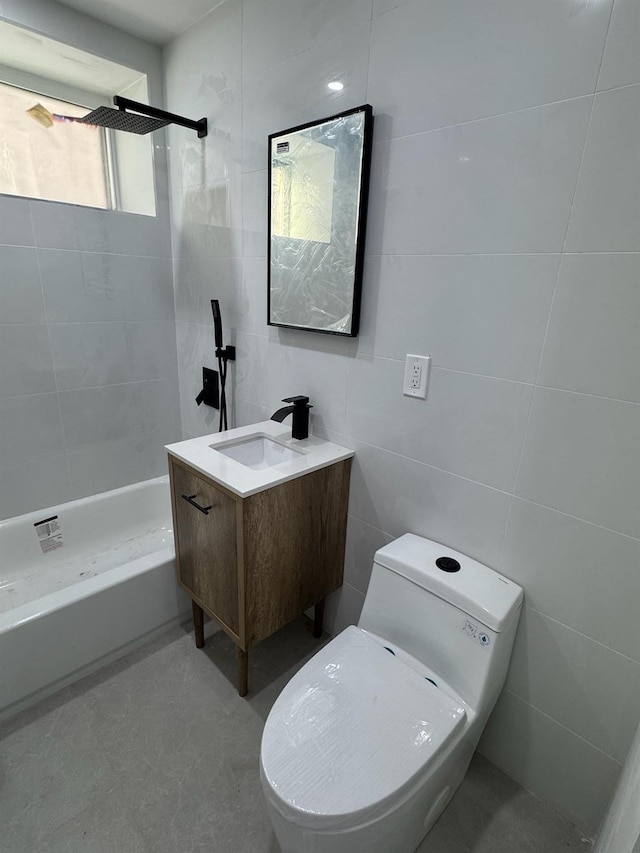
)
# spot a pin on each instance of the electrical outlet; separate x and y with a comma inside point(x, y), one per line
point(416, 375)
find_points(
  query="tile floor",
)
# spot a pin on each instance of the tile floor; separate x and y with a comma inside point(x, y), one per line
point(157, 754)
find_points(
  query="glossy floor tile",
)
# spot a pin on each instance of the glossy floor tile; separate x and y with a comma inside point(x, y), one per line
point(158, 753)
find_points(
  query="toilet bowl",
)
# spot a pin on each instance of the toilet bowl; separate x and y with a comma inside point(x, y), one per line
point(366, 744)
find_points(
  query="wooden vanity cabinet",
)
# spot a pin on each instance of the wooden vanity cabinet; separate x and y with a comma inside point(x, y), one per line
point(255, 563)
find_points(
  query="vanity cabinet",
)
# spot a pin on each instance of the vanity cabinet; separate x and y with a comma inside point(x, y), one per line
point(255, 563)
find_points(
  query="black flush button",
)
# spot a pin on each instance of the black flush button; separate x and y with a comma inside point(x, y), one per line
point(448, 564)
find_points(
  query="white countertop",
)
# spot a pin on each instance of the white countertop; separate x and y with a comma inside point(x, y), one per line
point(313, 453)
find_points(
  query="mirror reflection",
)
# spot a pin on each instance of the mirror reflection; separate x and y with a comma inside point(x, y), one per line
point(318, 180)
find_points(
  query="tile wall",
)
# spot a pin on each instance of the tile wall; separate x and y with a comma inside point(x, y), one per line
point(88, 377)
point(503, 241)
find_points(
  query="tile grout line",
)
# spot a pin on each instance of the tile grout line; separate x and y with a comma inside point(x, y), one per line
point(548, 324)
point(582, 634)
point(64, 449)
point(562, 726)
point(579, 519)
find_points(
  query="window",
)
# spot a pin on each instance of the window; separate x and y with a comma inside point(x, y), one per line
point(65, 162)
point(69, 162)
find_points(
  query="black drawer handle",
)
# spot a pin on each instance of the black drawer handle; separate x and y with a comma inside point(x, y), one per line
point(190, 499)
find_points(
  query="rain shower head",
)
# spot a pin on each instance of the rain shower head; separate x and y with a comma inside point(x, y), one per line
point(143, 119)
point(121, 120)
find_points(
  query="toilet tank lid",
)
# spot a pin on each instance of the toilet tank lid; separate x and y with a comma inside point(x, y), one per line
point(475, 589)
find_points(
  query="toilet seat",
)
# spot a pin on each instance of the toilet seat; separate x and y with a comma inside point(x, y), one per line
point(351, 732)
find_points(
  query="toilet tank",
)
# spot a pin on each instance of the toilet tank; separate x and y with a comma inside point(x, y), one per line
point(453, 614)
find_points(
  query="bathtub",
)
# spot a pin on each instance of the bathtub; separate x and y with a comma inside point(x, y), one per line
point(81, 584)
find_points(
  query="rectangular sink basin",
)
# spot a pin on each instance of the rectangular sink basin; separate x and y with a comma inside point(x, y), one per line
point(249, 459)
point(258, 452)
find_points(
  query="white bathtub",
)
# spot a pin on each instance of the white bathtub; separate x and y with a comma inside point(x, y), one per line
point(74, 598)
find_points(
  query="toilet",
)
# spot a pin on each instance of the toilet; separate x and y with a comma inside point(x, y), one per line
point(367, 743)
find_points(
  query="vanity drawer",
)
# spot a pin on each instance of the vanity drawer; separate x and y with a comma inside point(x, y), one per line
point(206, 550)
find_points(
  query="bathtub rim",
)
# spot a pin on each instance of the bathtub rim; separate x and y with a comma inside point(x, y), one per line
point(85, 588)
point(55, 509)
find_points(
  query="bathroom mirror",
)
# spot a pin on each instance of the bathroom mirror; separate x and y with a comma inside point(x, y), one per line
point(318, 188)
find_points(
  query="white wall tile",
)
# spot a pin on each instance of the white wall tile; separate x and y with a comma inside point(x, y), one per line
point(148, 288)
point(576, 573)
point(576, 458)
point(362, 543)
point(252, 316)
point(592, 343)
point(251, 371)
point(246, 412)
point(477, 313)
point(25, 356)
point(112, 464)
point(90, 354)
point(206, 59)
point(208, 221)
point(30, 427)
point(621, 61)
point(91, 287)
point(200, 279)
point(217, 156)
point(123, 233)
point(269, 369)
point(305, 340)
point(16, 227)
point(503, 185)
point(320, 375)
point(254, 214)
point(21, 291)
point(583, 685)
point(449, 61)
point(469, 425)
point(33, 483)
point(382, 6)
point(63, 226)
point(399, 495)
point(295, 91)
point(54, 225)
point(606, 210)
point(196, 349)
point(343, 608)
point(203, 74)
point(275, 32)
point(92, 416)
point(544, 756)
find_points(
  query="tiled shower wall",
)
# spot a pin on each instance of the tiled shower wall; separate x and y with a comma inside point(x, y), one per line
point(503, 240)
point(88, 371)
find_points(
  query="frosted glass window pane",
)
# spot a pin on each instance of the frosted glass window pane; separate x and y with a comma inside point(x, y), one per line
point(66, 162)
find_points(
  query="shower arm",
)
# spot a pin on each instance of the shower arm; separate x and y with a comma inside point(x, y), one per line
point(153, 112)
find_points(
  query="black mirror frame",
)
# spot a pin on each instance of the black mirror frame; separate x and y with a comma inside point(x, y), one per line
point(363, 201)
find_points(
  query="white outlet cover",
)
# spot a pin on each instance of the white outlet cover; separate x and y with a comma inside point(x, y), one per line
point(416, 367)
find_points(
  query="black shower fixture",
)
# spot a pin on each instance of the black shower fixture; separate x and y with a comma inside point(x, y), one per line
point(142, 119)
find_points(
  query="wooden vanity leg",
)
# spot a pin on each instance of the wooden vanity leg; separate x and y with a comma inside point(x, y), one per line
point(318, 616)
point(198, 624)
point(243, 671)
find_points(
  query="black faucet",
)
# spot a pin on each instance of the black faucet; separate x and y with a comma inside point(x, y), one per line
point(300, 412)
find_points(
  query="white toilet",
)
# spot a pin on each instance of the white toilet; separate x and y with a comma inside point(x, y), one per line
point(366, 744)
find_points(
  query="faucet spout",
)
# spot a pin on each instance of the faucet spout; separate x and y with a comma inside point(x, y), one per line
point(282, 413)
point(300, 412)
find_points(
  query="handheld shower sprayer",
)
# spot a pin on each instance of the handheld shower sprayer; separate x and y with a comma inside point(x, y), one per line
point(217, 323)
point(224, 355)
